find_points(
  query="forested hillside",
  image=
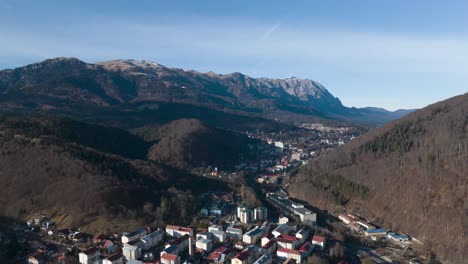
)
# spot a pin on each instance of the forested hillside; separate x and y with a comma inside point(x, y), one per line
point(410, 175)
point(89, 176)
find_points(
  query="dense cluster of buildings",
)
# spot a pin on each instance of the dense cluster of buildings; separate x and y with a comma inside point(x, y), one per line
point(289, 207)
point(266, 243)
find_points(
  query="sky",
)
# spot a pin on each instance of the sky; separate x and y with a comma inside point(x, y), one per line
point(395, 54)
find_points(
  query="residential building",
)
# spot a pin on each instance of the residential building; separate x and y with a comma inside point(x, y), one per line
point(319, 241)
point(306, 249)
point(169, 259)
point(292, 208)
point(269, 248)
point(289, 253)
point(204, 244)
point(214, 227)
point(89, 256)
point(260, 213)
point(114, 259)
point(283, 220)
point(303, 234)
point(214, 208)
point(137, 234)
point(265, 259)
point(152, 239)
point(285, 241)
point(241, 258)
point(283, 229)
point(245, 215)
point(219, 235)
point(234, 232)
point(178, 231)
point(132, 250)
point(254, 235)
point(203, 234)
point(267, 238)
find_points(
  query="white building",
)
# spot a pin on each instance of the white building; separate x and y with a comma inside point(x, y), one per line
point(219, 235)
point(319, 241)
point(178, 231)
point(267, 238)
point(289, 253)
point(137, 234)
point(114, 259)
point(234, 232)
point(204, 244)
point(283, 229)
point(260, 213)
point(152, 239)
point(89, 256)
point(214, 227)
point(254, 235)
point(245, 215)
point(283, 220)
point(132, 250)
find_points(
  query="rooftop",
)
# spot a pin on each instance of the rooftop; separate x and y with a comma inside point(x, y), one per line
point(319, 239)
point(242, 255)
point(90, 251)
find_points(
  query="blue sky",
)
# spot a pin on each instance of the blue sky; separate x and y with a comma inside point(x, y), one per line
point(391, 54)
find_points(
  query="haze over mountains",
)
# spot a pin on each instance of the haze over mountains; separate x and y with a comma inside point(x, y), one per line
point(63, 84)
point(410, 175)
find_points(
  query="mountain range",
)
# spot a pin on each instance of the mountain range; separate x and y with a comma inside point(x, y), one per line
point(68, 84)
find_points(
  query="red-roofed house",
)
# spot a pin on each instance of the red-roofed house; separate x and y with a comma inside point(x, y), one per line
point(319, 241)
point(285, 241)
point(170, 259)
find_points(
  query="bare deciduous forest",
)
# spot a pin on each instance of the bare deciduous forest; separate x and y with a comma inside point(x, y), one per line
point(410, 175)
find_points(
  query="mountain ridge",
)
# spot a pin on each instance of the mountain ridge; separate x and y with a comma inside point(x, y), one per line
point(115, 82)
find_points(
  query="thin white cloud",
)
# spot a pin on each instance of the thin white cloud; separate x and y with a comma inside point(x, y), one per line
point(270, 31)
